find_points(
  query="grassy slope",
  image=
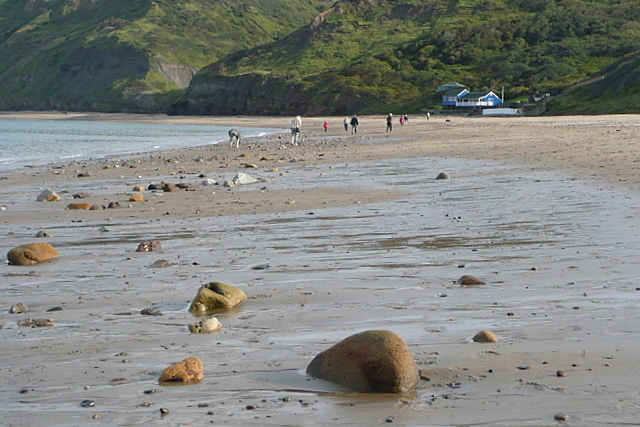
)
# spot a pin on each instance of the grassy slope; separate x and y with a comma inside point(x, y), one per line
point(75, 52)
point(396, 53)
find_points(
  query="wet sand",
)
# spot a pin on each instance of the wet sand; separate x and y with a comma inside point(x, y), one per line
point(346, 233)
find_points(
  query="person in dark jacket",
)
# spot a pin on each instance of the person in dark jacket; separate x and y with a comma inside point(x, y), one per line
point(354, 124)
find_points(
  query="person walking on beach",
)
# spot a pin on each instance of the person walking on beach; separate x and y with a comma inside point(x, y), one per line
point(428, 115)
point(296, 124)
point(401, 120)
point(354, 124)
point(325, 125)
point(389, 122)
point(345, 122)
point(234, 138)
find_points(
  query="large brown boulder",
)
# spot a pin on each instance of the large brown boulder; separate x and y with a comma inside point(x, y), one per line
point(215, 296)
point(188, 371)
point(31, 253)
point(371, 361)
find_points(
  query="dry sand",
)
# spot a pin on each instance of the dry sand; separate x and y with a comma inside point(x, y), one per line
point(347, 233)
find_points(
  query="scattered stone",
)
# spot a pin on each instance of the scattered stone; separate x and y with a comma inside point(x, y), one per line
point(468, 280)
point(244, 179)
point(561, 417)
point(18, 308)
point(81, 195)
point(216, 295)
point(164, 411)
point(208, 182)
point(87, 403)
point(103, 229)
point(443, 175)
point(371, 361)
point(97, 207)
point(150, 312)
point(485, 336)
point(31, 253)
point(48, 195)
point(228, 184)
point(113, 205)
point(170, 188)
point(136, 197)
point(260, 267)
point(84, 175)
point(149, 246)
point(44, 233)
point(208, 325)
point(560, 373)
point(187, 371)
point(56, 308)
point(162, 263)
point(79, 206)
point(36, 323)
point(139, 188)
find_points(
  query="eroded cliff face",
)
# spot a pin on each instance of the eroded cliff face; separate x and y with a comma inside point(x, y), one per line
point(252, 94)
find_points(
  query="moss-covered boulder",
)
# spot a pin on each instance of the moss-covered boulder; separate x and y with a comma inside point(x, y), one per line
point(216, 296)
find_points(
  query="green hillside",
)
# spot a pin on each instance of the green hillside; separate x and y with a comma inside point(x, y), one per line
point(374, 56)
point(314, 56)
point(115, 55)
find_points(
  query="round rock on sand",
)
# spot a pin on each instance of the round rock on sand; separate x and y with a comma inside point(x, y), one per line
point(48, 195)
point(137, 197)
point(79, 206)
point(443, 175)
point(485, 336)
point(188, 371)
point(31, 253)
point(469, 280)
point(215, 296)
point(149, 246)
point(208, 325)
point(371, 361)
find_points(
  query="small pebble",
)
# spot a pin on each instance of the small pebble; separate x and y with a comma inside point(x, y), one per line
point(561, 417)
point(560, 373)
point(87, 403)
point(152, 391)
point(96, 416)
point(390, 419)
point(164, 411)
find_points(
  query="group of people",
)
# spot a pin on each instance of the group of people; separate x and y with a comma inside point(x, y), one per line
point(403, 121)
point(296, 126)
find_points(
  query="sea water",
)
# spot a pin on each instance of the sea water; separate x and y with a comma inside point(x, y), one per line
point(38, 142)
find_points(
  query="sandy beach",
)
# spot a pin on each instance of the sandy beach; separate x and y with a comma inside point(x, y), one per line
point(342, 234)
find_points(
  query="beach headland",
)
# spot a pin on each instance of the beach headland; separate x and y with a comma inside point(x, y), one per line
point(341, 234)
